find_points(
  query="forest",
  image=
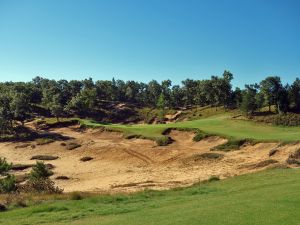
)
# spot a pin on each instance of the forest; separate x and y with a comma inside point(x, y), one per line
point(21, 101)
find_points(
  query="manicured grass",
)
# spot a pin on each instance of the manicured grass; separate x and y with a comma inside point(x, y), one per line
point(219, 125)
point(269, 198)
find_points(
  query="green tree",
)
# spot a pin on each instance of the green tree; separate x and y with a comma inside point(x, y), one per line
point(271, 87)
point(294, 94)
point(39, 171)
point(249, 104)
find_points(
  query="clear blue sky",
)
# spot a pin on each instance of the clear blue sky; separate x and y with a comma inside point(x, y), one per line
point(149, 39)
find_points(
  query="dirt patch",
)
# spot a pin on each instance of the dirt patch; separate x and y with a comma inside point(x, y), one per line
point(127, 165)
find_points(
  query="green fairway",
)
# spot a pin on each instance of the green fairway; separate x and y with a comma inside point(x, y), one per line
point(269, 198)
point(218, 125)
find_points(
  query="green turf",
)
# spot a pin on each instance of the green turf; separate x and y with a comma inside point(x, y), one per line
point(222, 125)
point(266, 198)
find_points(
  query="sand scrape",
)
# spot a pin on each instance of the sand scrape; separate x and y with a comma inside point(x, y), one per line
point(122, 165)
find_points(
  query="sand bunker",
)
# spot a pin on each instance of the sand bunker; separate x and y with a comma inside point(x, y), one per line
point(117, 164)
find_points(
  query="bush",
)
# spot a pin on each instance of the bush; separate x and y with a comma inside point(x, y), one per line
point(42, 185)
point(163, 141)
point(39, 171)
point(288, 119)
point(199, 136)
point(232, 144)
point(8, 184)
point(4, 165)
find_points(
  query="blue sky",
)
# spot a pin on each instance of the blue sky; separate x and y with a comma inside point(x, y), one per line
point(143, 40)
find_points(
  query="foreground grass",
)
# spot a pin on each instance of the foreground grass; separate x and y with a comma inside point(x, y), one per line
point(270, 198)
point(218, 125)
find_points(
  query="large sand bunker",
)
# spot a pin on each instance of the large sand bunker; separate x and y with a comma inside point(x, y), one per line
point(119, 164)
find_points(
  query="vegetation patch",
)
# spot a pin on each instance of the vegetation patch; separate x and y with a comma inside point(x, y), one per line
point(44, 157)
point(8, 184)
point(200, 136)
point(288, 119)
point(163, 141)
point(231, 145)
point(4, 166)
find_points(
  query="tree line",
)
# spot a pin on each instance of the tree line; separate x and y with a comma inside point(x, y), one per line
point(20, 101)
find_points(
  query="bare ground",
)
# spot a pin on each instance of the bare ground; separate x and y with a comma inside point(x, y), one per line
point(122, 165)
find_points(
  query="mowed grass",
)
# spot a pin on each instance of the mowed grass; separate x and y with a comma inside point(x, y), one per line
point(222, 125)
point(270, 198)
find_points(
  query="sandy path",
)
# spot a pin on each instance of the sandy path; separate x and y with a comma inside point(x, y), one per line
point(129, 165)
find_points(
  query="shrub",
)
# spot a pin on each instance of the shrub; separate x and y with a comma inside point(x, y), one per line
point(42, 185)
point(199, 136)
point(163, 141)
point(4, 165)
point(39, 171)
point(288, 119)
point(232, 144)
point(8, 184)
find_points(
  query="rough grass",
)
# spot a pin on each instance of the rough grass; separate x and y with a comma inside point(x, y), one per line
point(270, 198)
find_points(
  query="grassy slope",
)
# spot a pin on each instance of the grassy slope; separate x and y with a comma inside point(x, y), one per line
point(270, 198)
point(220, 125)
